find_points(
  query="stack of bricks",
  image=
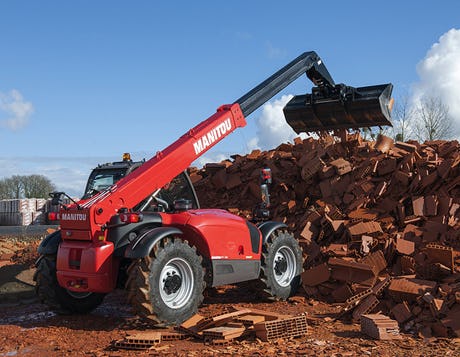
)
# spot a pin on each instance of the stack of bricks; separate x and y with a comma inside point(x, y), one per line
point(23, 212)
point(27, 211)
point(363, 211)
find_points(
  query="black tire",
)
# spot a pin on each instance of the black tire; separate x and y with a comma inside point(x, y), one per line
point(58, 298)
point(282, 264)
point(167, 286)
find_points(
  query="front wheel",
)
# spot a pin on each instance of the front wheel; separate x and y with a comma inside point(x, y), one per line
point(58, 298)
point(282, 264)
point(167, 286)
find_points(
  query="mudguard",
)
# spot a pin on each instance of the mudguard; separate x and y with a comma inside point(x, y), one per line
point(50, 244)
point(267, 228)
point(142, 245)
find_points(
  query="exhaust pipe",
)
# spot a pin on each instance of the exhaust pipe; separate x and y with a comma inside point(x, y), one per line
point(341, 107)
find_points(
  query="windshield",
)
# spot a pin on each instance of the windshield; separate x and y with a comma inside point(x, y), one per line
point(99, 180)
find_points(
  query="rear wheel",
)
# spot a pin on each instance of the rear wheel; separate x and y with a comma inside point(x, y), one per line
point(58, 298)
point(167, 286)
point(282, 264)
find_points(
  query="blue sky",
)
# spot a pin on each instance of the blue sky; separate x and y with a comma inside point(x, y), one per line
point(83, 81)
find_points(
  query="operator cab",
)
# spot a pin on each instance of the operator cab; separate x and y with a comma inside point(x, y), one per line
point(105, 175)
point(178, 194)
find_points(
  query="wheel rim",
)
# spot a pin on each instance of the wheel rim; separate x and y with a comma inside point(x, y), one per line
point(78, 295)
point(176, 283)
point(284, 266)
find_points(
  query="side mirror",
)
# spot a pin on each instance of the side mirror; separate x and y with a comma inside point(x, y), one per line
point(56, 198)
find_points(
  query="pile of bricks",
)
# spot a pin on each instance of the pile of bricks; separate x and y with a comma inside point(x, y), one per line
point(224, 328)
point(378, 221)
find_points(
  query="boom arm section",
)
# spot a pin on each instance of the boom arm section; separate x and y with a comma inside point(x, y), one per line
point(308, 63)
point(166, 164)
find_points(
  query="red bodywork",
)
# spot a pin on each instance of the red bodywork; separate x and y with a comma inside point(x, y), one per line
point(85, 261)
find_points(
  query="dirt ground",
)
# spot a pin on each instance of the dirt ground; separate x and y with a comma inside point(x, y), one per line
point(28, 328)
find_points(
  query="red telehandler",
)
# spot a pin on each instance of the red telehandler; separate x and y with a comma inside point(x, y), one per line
point(140, 226)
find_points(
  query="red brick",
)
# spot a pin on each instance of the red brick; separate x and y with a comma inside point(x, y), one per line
point(405, 146)
point(342, 293)
point(404, 246)
point(219, 179)
point(440, 254)
point(365, 228)
point(316, 275)
point(402, 177)
point(408, 289)
point(352, 272)
point(386, 166)
point(383, 143)
point(379, 327)
point(340, 250)
point(255, 154)
point(233, 181)
point(401, 312)
point(341, 166)
point(431, 205)
point(364, 307)
point(418, 206)
point(376, 260)
point(452, 320)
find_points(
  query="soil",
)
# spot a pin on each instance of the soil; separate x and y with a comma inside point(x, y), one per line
point(28, 328)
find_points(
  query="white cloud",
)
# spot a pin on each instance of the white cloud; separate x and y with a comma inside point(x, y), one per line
point(439, 74)
point(16, 108)
point(272, 129)
point(210, 157)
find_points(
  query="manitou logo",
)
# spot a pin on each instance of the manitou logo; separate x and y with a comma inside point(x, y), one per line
point(74, 216)
point(212, 136)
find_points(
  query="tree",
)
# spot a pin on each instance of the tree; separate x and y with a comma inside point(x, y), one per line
point(37, 186)
point(403, 117)
point(11, 187)
point(433, 120)
point(32, 186)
